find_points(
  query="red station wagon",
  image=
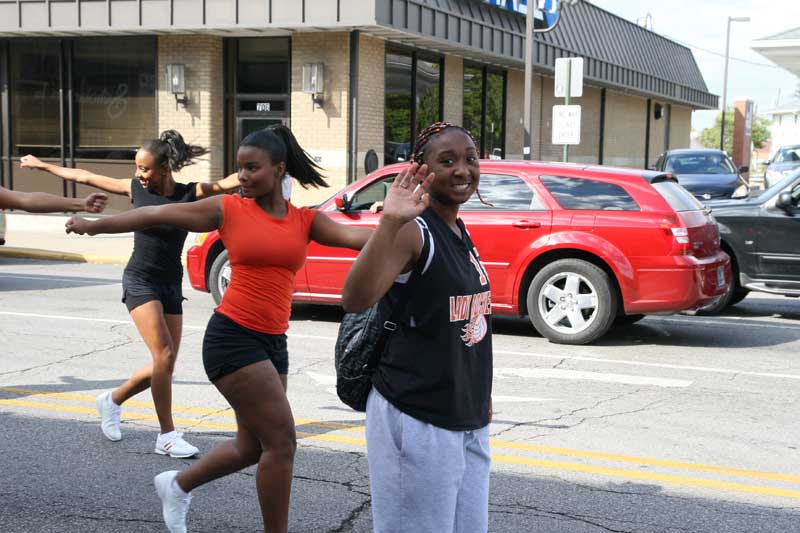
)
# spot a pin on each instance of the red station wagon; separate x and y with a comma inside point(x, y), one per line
point(574, 247)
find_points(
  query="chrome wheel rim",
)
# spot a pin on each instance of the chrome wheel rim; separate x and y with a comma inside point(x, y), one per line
point(224, 277)
point(568, 303)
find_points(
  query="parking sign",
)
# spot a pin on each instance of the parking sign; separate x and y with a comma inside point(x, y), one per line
point(566, 124)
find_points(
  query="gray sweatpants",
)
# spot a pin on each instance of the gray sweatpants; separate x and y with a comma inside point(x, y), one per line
point(423, 478)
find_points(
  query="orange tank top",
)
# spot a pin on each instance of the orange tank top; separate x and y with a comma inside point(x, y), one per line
point(265, 254)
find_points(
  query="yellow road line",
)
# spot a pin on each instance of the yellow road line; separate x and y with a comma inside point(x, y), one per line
point(538, 463)
point(537, 448)
point(644, 460)
point(634, 474)
point(225, 413)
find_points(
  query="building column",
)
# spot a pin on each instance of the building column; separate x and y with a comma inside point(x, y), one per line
point(201, 120)
point(453, 97)
point(371, 100)
point(515, 99)
point(322, 131)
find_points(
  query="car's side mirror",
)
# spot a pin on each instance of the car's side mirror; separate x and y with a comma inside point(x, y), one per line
point(343, 203)
point(785, 201)
point(744, 169)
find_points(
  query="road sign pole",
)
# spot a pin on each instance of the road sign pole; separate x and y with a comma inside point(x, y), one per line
point(565, 156)
point(527, 108)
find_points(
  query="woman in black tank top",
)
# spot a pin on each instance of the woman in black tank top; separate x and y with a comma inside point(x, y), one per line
point(152, 279)
point(430, 407)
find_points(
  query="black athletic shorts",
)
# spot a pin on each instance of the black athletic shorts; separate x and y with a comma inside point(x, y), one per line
point(227, 347)
point(137, 291)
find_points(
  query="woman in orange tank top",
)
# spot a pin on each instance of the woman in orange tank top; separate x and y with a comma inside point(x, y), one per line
point(244, 348)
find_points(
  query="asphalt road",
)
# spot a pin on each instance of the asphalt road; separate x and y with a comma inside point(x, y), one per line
point(673, 424)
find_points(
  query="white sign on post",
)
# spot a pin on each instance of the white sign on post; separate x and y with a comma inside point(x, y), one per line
point(575, 65)
point(566, 124)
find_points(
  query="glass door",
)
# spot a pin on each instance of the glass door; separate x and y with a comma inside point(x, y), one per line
point(258, 87)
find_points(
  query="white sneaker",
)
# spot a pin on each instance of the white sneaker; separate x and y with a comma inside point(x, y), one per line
point(172, 444)
point(109, 416)
point(173, 506)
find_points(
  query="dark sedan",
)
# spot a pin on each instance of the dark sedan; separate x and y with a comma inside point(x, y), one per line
point(707, 174)
point(760, 235)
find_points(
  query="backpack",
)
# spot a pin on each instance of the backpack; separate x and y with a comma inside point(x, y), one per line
point(363, 337)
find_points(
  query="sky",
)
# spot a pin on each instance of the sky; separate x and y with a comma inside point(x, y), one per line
point(702, 25)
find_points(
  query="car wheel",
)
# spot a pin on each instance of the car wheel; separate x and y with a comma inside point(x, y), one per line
point(732, 296)
point(219, 276)
point(571, 301)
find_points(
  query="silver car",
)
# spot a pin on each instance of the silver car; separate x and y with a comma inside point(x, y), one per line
point(785, 160)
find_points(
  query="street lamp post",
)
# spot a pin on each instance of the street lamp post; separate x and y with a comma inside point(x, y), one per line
point(725, 79)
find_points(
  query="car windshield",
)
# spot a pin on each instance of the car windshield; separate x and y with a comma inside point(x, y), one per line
point(699, 164)
point(789, 178)
point(790, 154)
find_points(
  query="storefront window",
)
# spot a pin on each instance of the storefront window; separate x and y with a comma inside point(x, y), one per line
point(35, 84)
point(473, 101)
point(484, 102)
point(397, 136)
point(494, 134)
point(413, 101)
point(114, 84)
point(428, 93)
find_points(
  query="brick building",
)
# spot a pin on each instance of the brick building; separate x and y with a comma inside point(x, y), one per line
point(84, 82)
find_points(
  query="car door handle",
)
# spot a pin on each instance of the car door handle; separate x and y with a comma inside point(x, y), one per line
point(526, 224)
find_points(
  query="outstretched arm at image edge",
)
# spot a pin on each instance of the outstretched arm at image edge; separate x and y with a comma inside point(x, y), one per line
point(40, 202)
point(203, 215)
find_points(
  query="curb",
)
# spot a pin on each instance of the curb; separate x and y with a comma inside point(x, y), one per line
point(51, 255)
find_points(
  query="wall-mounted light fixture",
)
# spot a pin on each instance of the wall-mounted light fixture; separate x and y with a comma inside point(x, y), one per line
point(176, 82)
point(314, 81)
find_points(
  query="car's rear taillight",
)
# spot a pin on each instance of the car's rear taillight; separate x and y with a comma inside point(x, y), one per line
point(679, 235)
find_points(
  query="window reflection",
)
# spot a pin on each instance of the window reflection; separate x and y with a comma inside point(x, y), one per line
point(484, 103)
point(473, 102)
point(504, 193)
point(397, 135)
point(494, 147)
point(35, 84)
point(114, 83)
point(428, 97)
point(583, 194)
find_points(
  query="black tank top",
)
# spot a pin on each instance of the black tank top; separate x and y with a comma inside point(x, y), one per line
point(438, 363)
point(157, 250)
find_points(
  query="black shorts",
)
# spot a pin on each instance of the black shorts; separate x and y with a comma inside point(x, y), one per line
point(137, 291)
point(227, 347)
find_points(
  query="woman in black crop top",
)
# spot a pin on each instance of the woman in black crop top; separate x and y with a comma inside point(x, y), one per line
point(151, 283)
point(429, 410)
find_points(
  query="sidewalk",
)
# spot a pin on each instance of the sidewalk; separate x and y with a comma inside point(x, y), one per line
point(43, 237)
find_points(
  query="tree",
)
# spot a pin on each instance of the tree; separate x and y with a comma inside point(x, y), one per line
point(709, 137)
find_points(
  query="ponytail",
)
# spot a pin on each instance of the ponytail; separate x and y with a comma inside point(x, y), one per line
point(170, 149)
point(282, 146)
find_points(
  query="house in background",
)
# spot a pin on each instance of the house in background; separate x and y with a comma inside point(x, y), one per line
point(783, 49)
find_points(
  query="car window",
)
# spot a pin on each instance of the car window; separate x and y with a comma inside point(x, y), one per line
point(677, 197)
point(504, 193)
point(585, 194)
point(788, 155)
point(374, 192)
point(699, 164)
